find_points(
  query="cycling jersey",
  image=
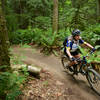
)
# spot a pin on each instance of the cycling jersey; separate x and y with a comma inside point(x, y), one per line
point(73, 44)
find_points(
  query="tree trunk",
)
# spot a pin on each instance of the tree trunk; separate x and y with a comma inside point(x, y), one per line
point(3, 2)
point(75, 20)
point(73, 3)
point(4, 43)
point(98, 10)
point(55, 16)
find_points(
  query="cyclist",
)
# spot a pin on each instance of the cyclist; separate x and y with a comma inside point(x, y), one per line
point(71, 45)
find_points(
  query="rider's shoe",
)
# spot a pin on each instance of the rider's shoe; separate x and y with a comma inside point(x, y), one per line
point(83, 72)
point(75, 73)
point(70, 69)
point(75, 70)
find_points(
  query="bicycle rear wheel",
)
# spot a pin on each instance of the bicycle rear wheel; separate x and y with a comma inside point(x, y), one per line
point(65, 63)
point(94, 80)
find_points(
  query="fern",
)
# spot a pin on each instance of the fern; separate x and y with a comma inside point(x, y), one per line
point(49, 39)
point(94, 57)
point(92, 34)
point(10, 84)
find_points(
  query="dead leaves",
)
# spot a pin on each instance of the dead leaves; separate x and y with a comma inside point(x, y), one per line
point(45, 88)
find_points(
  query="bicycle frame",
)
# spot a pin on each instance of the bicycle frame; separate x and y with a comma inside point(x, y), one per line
point(83, 64)
point(92, 76)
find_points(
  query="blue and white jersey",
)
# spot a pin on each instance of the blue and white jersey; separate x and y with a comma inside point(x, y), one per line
point(72, 44)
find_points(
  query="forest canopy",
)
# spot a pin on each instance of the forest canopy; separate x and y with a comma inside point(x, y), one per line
point(30, 19)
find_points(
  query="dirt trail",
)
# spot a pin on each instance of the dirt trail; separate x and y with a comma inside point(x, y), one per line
point(53, 64)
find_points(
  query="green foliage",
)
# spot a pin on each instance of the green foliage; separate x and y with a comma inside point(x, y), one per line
point(37, 35)
point(22, 13)
point(12, 22)
point(25, 46)
point(37, 14)
point(49, 39)
point(52, 41)
point(63, 33)
point(94, 57)
point(43, 22)
point(55, 53)
point(11, 81)
point(10, 85)
point(26, 36)
point(65, 16)
point(77, 13)
point(16, 59)
point(35, 3)
point(83, 51)
point(97, 46)
point(92, 34)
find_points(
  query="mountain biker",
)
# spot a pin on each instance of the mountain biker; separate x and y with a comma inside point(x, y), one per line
point(71, 45)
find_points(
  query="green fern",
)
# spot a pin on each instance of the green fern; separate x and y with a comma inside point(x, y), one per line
point(10, 84)
point(94, 57)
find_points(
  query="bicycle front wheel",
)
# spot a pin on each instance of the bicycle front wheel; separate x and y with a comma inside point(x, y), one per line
point(94, 80)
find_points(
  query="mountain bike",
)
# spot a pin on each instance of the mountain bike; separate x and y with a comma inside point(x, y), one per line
point(86, 69)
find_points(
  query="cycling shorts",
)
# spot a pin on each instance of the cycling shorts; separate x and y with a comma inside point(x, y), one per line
point(73, 53)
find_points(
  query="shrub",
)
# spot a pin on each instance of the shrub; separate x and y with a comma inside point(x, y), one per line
point(92, 34)
point(45, 38)
point(49, 39)
point(10, 85)
point(25, 36)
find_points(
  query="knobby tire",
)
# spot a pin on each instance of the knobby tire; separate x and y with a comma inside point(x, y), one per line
point(93, 78)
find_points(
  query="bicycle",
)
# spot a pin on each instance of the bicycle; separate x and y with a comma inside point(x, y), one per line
point(86, 69)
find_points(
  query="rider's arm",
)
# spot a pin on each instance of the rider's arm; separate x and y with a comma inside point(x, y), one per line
point(68, 52)
point(87, 44)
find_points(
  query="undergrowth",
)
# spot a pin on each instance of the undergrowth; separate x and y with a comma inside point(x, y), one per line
point(11, 81)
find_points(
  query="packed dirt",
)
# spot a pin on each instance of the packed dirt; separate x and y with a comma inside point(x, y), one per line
point(66, 86)
point(47, 87)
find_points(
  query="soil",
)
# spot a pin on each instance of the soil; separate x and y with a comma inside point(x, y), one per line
point(47, 88)
point(54, 83)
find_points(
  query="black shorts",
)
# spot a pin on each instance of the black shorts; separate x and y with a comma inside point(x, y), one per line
point(73, 53)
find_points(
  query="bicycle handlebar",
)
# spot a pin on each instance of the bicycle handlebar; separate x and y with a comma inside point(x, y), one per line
point(78, 59)
point(91, 52)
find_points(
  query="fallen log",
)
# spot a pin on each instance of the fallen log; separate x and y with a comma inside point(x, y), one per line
point(30, 68)
point(34, 69)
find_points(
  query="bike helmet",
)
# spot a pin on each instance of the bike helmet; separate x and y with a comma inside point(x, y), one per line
point(76, 32)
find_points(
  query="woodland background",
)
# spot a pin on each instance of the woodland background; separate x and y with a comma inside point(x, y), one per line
point(45, 23)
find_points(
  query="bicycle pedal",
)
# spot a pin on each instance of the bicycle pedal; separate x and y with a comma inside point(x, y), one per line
point(84, 73)
point(70, 69)
point(75, 73)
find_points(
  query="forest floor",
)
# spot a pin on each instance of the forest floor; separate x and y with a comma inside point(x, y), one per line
point(53, 83)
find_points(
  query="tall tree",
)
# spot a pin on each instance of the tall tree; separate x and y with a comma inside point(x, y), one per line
point(98, 10)
point(3, 2)
point(4, 57)
point(73, 3)
point(55, 16)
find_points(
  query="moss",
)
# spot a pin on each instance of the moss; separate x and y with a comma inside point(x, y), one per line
point(4, 54)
